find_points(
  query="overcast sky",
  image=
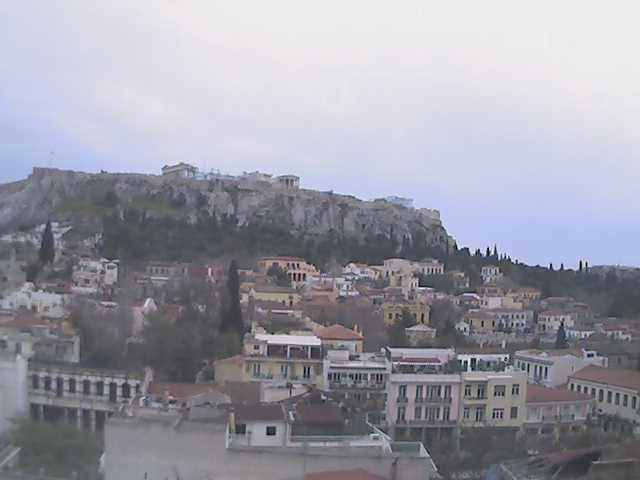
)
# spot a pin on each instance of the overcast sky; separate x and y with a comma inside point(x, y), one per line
point(520, 123)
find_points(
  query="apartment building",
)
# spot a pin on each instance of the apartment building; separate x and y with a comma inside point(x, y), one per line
point(360, 378)
point(283, 358)
point(513, 319)
point(490, 273)
point(95, 273)
point(493, 399)
point(481, 321)
point(552, 368)
point(616, 391)
point(556, 410)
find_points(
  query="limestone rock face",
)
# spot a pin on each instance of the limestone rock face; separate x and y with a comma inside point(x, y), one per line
point(81, 198)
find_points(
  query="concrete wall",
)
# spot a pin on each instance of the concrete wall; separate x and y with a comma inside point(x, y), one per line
point(135, 447)
point(13, 390)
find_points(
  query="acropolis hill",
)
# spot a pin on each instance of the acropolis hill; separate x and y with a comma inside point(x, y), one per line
point(79, 198)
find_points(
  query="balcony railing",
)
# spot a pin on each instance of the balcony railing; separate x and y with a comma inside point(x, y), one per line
point(475, 397)
point(438, 400)
point(402, 400)
point(363, 385)
point(558, 418)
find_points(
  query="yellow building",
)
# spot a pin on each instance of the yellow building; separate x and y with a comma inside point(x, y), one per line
point(493, 399)
point(297, 268)
point(272, 293)
point(481, 321)
point(283, 358)
point(392, 312)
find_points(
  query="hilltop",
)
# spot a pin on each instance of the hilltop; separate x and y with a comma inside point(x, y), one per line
point(153, 209)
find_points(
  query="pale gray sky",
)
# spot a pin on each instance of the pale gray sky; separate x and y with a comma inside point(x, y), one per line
point(519, 122)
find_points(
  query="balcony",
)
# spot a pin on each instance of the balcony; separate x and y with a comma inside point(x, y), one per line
point(475, 397)
point(432, 423)
point(356, 385)
point(402, 400)
point(558, 418)
point(433, 400)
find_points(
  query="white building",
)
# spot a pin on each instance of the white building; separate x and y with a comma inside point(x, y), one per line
point(616, 391)
point(359, 271)
point(552, 368)
point(95, 273)
point(13, 389)
point(579, 333)
point(463, 328)
point(43, 303)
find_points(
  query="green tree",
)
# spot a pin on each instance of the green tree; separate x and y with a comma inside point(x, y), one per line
point(47, 246)
point(59, 450)
point(561, 337)
point(279, 275)
point(232, 320)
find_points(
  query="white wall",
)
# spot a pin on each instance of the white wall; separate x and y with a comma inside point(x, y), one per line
point(13, 389)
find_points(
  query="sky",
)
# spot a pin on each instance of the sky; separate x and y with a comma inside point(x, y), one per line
point(518, 121)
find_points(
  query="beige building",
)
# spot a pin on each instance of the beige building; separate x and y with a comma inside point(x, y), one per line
point(297, 268)
point(272, 293)
point(495, 399)
point(481, 321)
point(491, 273)
point(552, 368)
point(337, 337)
point(556, 410)
point(616, 391)
point(392, 312)
point(549, 321)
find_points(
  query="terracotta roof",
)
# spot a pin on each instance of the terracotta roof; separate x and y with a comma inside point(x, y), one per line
point(610, 376)
point(356, 474)
point(243, 392)
point(539, 394)
point(337, 332)
point(258, 413)
point(318, 414)
point(181, 390)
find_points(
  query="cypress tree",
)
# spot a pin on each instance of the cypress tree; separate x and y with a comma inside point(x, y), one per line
point(232, 323)
point(495, 251)
point(488, 252)
point(47, 247)
point(561, 337)
point(580, 266)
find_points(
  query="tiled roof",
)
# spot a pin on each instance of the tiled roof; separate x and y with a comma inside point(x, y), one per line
point(318, 414)
point(243, 392)
point(337, 332)
point(356, 474)
point(258, 413)
point(610, 376)
point(539, 394)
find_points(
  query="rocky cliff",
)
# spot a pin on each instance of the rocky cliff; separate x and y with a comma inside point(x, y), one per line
point(81, 199)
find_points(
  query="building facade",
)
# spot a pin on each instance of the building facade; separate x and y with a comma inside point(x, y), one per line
point(552, 368)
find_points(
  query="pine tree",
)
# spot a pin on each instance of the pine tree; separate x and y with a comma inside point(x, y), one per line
point(47, 247)
point(561, 337)
point(232, 322)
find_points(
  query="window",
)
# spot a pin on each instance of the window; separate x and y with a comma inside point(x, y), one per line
point(271, 429)
point(499, 391)
point(256, 369)
point(417, 414)
point(514, 412)
point(498, 413)
point(578, 388)
point(35, 382)
point(481, 391)
point(617, 398)
point(401, 414)
point(241, 429)
point(465, 413)
point(86, 387)
point(625, 400)
point(47, 383)
point(257, 347)
point(284, 370)
point(446, 413)
point(418, 390)
point(447, 391)
point(479, 414)
point(72, 385)
point(634, 402)
point(515, 389)
point(601, 395)
point(593, 392)
point(467, 390)
point(546, 372)
point(402, 390)
point(100, 389)
point(306, 371)
point(609, 397)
